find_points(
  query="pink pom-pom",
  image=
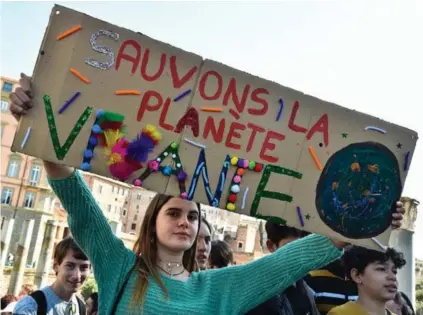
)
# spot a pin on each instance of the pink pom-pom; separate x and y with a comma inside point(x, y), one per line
point(184, 195)
point(246, 163)
point(153, 165)
point(237, 179)
point(137, 182)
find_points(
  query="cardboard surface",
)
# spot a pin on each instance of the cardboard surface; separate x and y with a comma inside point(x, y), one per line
point(346, 190)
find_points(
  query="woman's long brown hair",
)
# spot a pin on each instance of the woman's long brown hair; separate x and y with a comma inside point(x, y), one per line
point(146, 250)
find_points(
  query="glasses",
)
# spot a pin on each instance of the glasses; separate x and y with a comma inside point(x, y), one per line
point(70, 309)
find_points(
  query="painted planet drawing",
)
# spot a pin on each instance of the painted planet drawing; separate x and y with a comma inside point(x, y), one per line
point(357, 190)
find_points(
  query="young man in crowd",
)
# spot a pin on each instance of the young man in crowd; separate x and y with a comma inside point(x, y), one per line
point(72, 268)
point(297, 299)
point(331, 287)
point(375, 275)
point(203, 244)
point(221, 255)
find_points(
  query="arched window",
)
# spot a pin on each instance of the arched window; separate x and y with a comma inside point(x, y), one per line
point(14, 166)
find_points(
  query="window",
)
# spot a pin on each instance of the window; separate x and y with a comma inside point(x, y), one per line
point(4, 106)
point(124, 212)
point(14, 166)
point(109, 208)
point(135, 217)
point(34, 176)
point(113, 189)
point(139, 196)
point(123, 192)
point(133, 226)
point(7, 87)
point(100, 189)
point(29, 199)
point(239, 245)
point(6, 196)
point(138, 206)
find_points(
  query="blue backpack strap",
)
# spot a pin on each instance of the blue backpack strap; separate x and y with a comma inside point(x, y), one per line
point(40, 298)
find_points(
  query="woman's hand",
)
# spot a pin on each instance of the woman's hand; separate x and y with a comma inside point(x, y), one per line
point(397, 218)
point(21, 103)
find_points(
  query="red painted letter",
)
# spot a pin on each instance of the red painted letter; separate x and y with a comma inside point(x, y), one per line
point(177, 81)
point(144, 65)
point(254, 130)
point(189, 119)
point(322, 125)
point(210, 127)
point(122, 55)
point(163, 114)
point(255, 97)
point(234, 134)
point(202, 86)
point(267, 145)
point(145, 103)
point(231, 92)
point(291, 123)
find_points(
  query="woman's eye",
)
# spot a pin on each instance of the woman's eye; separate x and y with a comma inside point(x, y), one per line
point(192, 217)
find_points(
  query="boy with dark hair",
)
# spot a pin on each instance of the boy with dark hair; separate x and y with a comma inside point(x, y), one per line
point(221, 255)
point(72, 267)
point(297, 299)
point(375, 275)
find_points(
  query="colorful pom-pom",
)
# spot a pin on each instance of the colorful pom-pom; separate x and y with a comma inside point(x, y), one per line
point(174, 145)
point(181, 176)
point(167, 170)
point(230, 206)
point(258, 167)
point(96, 129)
point(251, 165)
point(93, 141)
point(235, 189)
point(232, 198)
point(85, 166)
point(153, 166)
point(240, 163)
point(184, 195)
point(88, 154)
point(234, 160)
point(246, 163)
point(99, 113)
point(240, 171)
point(237, 179)
point(137, 182)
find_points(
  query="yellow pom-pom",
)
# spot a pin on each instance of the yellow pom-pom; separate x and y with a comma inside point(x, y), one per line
point(149, 128)
point(234, 160)
point(114, 158)
point(230, 206)
point(156, 136)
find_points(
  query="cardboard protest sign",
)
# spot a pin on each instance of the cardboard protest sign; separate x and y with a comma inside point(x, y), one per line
point(120, 104)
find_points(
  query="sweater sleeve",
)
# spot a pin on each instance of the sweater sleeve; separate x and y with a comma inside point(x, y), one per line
point(241, 288)
point(89, 227)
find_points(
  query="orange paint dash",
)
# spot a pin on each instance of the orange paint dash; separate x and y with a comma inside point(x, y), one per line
point(127, 92)
point(211, 109)
point(69, 32)
point(79, 75)
point(315, 158)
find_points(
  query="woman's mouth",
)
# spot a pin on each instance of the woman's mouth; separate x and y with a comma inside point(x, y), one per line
point(392, 288)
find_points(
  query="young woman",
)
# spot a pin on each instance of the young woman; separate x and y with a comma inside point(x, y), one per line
point(157, 276)
point(203, 244)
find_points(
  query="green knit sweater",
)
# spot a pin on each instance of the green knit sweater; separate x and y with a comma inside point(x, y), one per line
point(232, 290)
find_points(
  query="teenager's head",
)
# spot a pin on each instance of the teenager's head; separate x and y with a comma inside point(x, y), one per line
point(170, 225)
point(92, 304)
point(279, 235)
point(374, 272)
point(71, 265)
point(221, 255)
point(203, 244)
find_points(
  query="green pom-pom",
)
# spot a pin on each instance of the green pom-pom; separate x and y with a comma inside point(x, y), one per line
point(252, 165)
point(112, 116)
point(174, 145)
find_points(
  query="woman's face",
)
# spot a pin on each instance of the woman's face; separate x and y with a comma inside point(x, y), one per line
point(177, 224)
point(203, 246)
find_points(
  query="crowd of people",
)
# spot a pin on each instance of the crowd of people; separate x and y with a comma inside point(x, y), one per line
point(175, 268)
